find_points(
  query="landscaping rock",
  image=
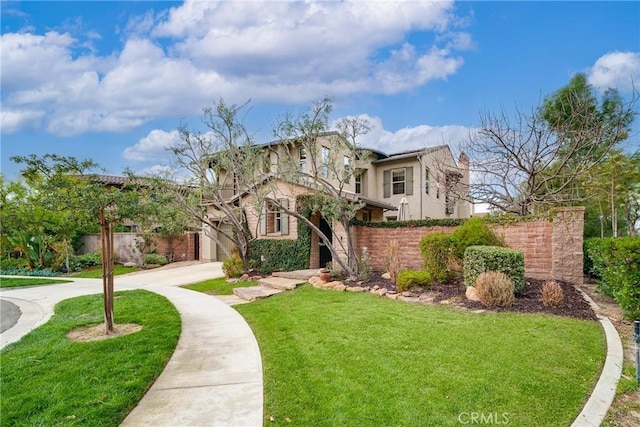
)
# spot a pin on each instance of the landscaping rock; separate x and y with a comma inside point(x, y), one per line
point(409, 294)
point(232, 280)
point(386, 276)
point(314, 280)
point(244, 278)
point(472, 294)
point(407, 299)
point(425, 298)
point(130, 264)
point(355, 289)
point(340, 288)
point(382, 292)
point(331, 285)
point(392, 296)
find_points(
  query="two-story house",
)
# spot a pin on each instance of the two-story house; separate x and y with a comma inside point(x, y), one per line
point(428, 181)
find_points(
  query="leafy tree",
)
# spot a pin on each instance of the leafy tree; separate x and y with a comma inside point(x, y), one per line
point(326, 174)
point(67, 189)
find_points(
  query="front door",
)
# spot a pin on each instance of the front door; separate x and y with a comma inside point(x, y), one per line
point(325, 253)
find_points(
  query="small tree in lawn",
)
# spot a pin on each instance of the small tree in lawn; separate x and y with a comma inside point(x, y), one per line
point(326, 174)
point(68, 186)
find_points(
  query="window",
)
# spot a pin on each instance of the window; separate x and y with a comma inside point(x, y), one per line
point(325, 162)
point(398, 181)
point(303, 159)
point(359, 183)
point(273, 218)
point(426, 180)
point(366, 216)
point(347, 170)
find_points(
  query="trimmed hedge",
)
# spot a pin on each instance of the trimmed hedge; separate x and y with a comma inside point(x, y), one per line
point(474, 232)
point(437, 252)
point(478, 259)
point(616, 262)
point(444, 222)
point(155, 259)
point(410, 279)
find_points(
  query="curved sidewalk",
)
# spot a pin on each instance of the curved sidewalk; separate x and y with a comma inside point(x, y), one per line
point(214, 377)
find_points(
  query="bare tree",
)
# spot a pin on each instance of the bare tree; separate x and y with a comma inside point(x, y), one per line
point(524, 162)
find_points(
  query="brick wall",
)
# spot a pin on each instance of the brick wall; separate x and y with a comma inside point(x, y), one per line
point(552, 249)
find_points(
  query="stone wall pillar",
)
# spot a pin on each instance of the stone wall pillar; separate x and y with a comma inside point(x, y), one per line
point(566, 245)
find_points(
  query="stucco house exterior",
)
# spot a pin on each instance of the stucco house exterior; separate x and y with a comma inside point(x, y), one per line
point(429, 181)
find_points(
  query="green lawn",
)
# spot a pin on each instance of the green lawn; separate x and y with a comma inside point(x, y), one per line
point(49, 380)
point(333, 358)
point(15, 282)
point(218, 286)
point(96, 272)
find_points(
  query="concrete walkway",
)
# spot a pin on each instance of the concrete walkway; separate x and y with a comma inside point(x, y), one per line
point(214, 377)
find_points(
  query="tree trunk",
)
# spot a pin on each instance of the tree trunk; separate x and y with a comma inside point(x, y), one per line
point(106, 235)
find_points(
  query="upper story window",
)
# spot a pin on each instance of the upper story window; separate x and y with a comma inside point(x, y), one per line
point(398, 181)
point(325, 162)
point(359, 183)
point(347, 170)
point(426, 180)
point(303, 160)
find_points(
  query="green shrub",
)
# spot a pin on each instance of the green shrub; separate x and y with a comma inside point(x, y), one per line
point(87, 260)
point(10, 263)
point(437, 251)
point(478, 259)
point(155, 259)
point(232, 267)
point(616, 262)
point(474, 232)
point(410, 279)
point(267, 255)
point(495, 289)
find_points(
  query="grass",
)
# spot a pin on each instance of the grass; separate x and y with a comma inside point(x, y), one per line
point(48, 379)
point(96, 272)
point(333, 358)
point(15, 282)
point(218, 286)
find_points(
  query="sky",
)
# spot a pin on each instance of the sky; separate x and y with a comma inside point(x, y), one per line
point(112, 81)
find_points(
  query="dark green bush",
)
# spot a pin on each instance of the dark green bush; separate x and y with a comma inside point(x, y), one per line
point(616, 262)
point(474, 232)
point(268, 255)
point(478, 259)
point(410, 279)
point(9, 263)
point(21, 271)
point(87, 260)
point(437, 251)
point(155, 259)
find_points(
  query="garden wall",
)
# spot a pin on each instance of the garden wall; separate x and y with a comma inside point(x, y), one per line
point(126, 249)
point(552, 249)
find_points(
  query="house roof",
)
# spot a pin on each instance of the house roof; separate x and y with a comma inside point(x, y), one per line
point(411, 154)
point(109, 179)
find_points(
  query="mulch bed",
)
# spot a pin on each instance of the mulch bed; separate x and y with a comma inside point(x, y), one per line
point(528, 301)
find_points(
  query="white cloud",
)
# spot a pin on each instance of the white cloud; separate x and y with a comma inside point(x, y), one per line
point(14, 120)
point(411, 138)
point(153, 147)
point(620, 70)
point(174, 62)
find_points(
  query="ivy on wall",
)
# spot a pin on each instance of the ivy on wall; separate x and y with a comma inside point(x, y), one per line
point(267, 255)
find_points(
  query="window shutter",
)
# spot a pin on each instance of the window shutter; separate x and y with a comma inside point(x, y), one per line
point(263, 220)
point(409, 181)
point(386, 184)
point(284, 217)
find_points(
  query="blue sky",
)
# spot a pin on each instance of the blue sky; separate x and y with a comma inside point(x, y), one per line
point(111, 81)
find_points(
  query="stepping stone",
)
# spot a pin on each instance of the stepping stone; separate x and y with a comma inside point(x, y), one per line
point(232, 300)
point(297, 275)
point(255, 292)
point(280, 283)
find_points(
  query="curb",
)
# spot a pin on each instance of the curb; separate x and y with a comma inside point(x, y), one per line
point(596, 408)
